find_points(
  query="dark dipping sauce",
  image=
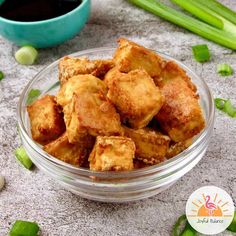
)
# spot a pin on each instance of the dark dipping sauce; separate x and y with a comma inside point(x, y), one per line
point(36, 10)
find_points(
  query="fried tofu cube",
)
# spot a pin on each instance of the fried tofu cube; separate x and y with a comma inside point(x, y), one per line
point(91, 113)
point(151, 146)
point(111, 75)
point(136, 97)
point(181, 115)
point(79, 83)
point(171, 71)
point(131, 56)
point(71, 66)
point(46, 120)
point(102, 67)
point(177, 148)
point(74, 154)
point(112, 153)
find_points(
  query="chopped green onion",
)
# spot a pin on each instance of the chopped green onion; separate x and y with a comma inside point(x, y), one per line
point(2, 182)
point(198, 27)
point(178, 225)
point(26, 55)
point(32, 96)
point(225, 106)
point(232, 226)
point(23, 158)
point(224, 69)
point(201, 53)
point(183, 228)
point(24, 228)
point(1, 75)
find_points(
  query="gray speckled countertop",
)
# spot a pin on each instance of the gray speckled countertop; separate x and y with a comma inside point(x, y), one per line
point(34, 196)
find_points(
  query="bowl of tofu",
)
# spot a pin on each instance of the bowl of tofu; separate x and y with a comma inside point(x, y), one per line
point(116, 124)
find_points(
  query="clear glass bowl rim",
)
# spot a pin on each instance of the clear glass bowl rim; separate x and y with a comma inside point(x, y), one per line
point(122, 174)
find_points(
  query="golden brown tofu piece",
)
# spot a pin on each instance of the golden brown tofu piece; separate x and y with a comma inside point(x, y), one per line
point(177, 148)
point(151, 146)
point(71, 66)
point(112, 153)
point(102, 67)
point(74, 154)
point(111, 75)
point(79, 83)
point(46, 120)
point(131, 56)
point(91, 113)
point(171, 71)
point(136, 97)
point(181, 115)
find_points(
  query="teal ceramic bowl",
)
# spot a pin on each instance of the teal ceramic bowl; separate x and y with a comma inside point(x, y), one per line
point(46, 33)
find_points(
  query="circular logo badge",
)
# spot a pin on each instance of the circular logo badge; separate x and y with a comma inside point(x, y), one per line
point(210, 210)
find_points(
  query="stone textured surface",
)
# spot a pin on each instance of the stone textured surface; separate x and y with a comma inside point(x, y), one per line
point(34, 196)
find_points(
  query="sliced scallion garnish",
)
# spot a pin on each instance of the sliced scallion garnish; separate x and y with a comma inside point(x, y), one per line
point(26, 55)
point(232, 226)
point(2, 182)
point(32, 95)
point(24, 228)
point(201, 53)
point(225, 106)
point(183, 228)
point(1, 75)
point(224, 69)
point(23, 157)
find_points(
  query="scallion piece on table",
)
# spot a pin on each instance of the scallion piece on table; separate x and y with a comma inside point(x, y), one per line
point(206, 14)
point(1, 75)
point(24, 228)
point(232, 226)
point(26, 55)
point(32, 95)
point(183, 228)
point(225, 106)
point(224, 69)
point(201, 53)
point(2, 182)
point(198, 27)
point(23, 157)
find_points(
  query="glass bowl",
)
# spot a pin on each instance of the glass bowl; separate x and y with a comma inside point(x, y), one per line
point(113, 186)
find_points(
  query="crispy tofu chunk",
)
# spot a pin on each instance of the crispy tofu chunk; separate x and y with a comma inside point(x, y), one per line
point(79, 83)
point(102, 67)
point(177, 148)
point(151, 146)
point(91, 113)
point(135, 96)
point(112, 153)
point(46, 120)
point(171, 71)
point(112, 75)
point(74, 154)
point(131, 56)
point(71, 66)
point(181, 115)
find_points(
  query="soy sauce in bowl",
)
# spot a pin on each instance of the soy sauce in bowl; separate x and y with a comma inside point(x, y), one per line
point(36, 10)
